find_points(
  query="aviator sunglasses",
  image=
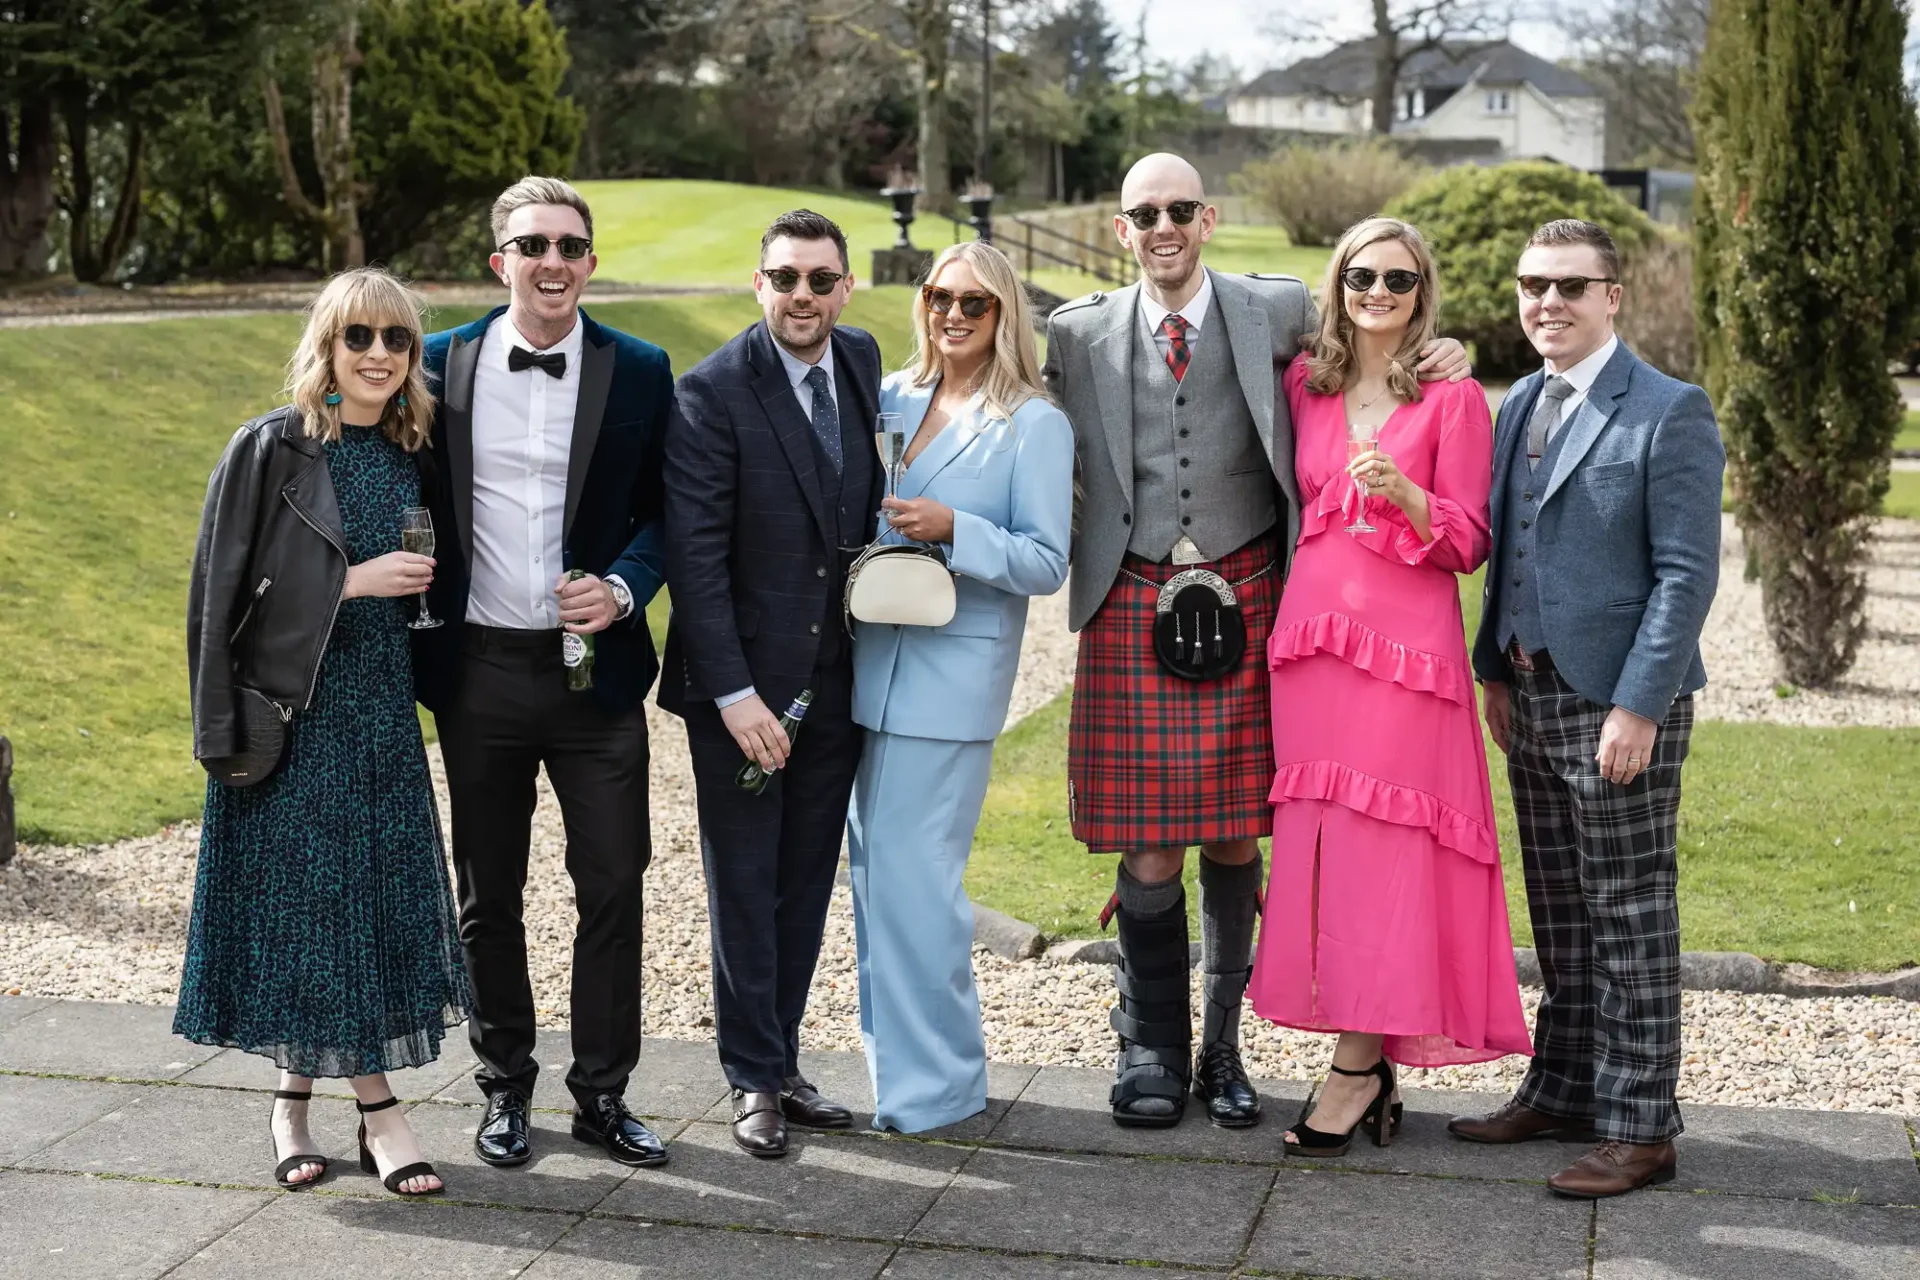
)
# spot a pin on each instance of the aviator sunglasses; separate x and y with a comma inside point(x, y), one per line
point(1360, 279)
point(940, 302)
point(785, 280)
point(1145, 217)
point(396, 338)
point(1572, 288)
point(572, 248)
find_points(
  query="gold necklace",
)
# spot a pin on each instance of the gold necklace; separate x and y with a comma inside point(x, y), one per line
point(1369, 402)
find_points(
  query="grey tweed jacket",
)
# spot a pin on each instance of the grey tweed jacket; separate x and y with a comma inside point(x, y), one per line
point(1088, 346)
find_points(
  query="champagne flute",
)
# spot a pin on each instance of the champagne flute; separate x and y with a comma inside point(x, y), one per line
point(890, 438)
point(1361, 438)
point(416, 535)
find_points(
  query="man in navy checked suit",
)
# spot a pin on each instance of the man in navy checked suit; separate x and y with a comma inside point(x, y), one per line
point(772, 487)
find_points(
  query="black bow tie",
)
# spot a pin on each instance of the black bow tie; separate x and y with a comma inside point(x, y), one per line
point(554, 362)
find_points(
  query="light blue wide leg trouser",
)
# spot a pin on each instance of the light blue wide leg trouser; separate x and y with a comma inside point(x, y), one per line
point(916, 803)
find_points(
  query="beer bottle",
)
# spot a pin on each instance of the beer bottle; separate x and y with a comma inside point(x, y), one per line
point(577, 652)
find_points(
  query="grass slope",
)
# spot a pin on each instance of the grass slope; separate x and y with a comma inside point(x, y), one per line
point(105, 448)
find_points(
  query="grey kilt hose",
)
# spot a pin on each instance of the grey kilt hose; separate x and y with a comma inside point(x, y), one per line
point(1601, 871)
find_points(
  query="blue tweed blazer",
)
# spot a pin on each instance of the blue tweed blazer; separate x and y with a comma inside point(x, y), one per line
point(1628, 538)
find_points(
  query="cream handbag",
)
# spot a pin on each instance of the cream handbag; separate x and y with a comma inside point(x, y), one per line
point(906, 584)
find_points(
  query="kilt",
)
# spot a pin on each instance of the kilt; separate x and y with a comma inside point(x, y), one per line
point(1154, 761)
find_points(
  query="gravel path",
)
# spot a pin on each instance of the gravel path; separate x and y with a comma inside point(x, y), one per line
point(108, 921)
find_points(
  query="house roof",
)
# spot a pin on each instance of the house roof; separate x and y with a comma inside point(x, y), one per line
point(1347, 72)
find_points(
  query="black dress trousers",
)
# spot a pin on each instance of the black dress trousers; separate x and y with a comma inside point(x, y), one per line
point(770, 862)
point(513, 713)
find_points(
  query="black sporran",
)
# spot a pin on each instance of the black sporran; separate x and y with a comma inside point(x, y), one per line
point(1199, 631)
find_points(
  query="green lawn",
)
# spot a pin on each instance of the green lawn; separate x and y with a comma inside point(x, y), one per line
point(1909, 437)
point(1234, 249)
point(1903, 495)
point(672, 232)
point(1795, 844)
point(107, 441)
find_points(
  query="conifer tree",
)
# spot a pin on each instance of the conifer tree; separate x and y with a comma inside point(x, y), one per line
point(1807, 221)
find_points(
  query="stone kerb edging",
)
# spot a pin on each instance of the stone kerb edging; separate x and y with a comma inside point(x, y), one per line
point(1737, 971)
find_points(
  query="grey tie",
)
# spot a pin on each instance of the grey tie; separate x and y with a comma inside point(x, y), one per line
point(826, 417)
point(1546, 418)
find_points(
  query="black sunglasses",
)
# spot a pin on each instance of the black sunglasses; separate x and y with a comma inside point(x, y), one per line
point(1572, 288)
point(786, 279)
point(396, 338)
point(1145, 217)
point(1360, 279)
point(572, 248)
point(940, 302)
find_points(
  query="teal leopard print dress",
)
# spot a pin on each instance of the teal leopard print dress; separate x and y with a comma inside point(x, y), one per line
point(323, 931)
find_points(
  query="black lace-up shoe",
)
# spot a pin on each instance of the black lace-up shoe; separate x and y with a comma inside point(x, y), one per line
point(502, 1138)
point(1221, 1082)
point(606, 1122)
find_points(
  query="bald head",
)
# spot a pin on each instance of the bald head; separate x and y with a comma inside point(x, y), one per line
point(1160, 179)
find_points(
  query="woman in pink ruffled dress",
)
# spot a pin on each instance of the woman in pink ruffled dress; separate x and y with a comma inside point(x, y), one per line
point(1386, 918)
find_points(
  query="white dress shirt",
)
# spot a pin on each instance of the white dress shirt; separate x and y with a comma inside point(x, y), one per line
point(797, 371)
point(522, 442)
point(1152, 315)
point(1582, 376)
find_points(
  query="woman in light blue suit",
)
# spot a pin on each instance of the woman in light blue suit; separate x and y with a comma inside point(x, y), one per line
point(989, 478)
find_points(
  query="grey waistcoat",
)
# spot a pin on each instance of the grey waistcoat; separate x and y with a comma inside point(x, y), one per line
point(1517, 589)
point(1198, 465)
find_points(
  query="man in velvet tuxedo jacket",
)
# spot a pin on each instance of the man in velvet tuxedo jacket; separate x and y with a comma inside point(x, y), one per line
point(548, 433)
point(772, 487)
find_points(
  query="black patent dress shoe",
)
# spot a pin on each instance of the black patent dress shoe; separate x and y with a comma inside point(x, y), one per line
point(606, 1122)
point(501, 1140)
point(801, 1103)
point(1221, 1082)
point(758, 1126)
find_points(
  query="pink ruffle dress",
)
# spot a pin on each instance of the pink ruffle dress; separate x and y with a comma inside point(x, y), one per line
point(1385, 909)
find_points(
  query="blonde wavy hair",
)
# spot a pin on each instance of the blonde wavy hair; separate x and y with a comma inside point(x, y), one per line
point(1332, 363)
point(1012, 374)
point(370, 296)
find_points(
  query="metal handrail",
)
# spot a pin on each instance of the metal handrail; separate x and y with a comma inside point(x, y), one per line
point(1105, 265)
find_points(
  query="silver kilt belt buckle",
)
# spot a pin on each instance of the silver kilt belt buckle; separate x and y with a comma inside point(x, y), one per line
point(1199, 632)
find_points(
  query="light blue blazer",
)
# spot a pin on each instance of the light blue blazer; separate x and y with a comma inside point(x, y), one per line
point(1010, 484)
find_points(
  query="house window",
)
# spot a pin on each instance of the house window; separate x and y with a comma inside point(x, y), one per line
point(1411, 105)
point(1499, 102)
point(1319, 109)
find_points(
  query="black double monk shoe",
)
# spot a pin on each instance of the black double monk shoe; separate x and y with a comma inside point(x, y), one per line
point(760, 1119)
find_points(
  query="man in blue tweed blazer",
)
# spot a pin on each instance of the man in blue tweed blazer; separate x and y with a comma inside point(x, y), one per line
point(548, 432)
point(1606, 553)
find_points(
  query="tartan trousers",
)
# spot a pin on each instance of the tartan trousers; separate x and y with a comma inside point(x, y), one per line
point(1602, 872)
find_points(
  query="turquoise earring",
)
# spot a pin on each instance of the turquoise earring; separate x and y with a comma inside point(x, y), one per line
point(333, 397)
point(403, 400)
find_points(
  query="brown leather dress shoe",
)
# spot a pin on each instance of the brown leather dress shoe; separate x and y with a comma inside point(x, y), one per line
point(1514, 1121)
point(758, 1127)
point(801, 1103)
point(1615, 1168)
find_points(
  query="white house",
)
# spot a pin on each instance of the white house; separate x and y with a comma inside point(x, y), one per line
point(1494, 91)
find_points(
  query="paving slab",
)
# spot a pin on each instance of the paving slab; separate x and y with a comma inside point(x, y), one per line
point(1099, 1206)
point(99, 1038)
point(603, 1250)
point(961, 1264)
point(36, 1113)
point(1066, 1109)
point(843, 1184)
point(13, 1008)
point(343, 1238)
point(676, 1079)
point(1664, 1235)
point(564, 1172)
point(1423, 1145)
point(843, 1077)
point(60, 1227)
point(196, 1135)
point(237, 1069)
point(1352, 1223)
point(1799, 1154)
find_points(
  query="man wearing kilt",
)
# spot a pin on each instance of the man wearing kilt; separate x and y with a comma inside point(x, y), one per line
point(1606, 554)
point(1185, 467)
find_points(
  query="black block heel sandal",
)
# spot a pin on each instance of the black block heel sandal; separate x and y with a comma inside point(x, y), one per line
point(394, 1180)
point(1377, 1119)
point(286, 1167)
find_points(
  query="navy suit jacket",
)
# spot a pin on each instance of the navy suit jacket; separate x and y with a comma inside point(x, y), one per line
point(613, 518)
point(752, 549)
point(1628, 537)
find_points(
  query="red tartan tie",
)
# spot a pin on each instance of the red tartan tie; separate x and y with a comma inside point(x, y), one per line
point(1178, 352)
